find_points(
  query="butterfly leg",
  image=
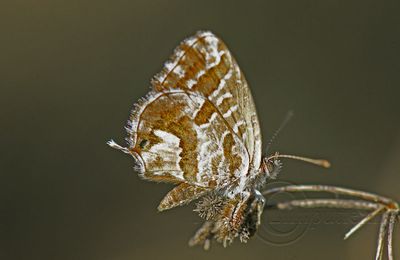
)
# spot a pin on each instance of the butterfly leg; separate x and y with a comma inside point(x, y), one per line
point(232, 218)
point(241, 217)
point(204, 235)
point(253, 216)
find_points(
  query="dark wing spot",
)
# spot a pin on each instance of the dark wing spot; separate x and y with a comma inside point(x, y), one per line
point(143, 143)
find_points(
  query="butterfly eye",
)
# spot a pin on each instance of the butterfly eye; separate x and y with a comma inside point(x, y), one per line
point(273, 166)
point(270, 166)
point(143, 143)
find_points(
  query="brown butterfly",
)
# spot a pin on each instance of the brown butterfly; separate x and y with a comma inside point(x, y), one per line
point(198, 128)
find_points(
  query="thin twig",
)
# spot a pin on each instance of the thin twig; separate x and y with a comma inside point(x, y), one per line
point(382, 234)
point(392, 221)
point(337, 203)
point(327, 203)
point(368, 201)
point(364, 221)
point(336, 190)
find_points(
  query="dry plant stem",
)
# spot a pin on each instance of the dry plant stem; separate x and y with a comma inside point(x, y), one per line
point(392, 222)
point(336, 203)
point(336, 190)
point(367, 201)
point(328, 203)
point(382, 234)
point(364, 221)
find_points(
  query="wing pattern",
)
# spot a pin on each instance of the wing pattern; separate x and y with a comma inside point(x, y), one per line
point(198, 125)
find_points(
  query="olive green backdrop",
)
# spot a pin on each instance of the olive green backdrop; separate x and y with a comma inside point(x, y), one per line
point(70, 72)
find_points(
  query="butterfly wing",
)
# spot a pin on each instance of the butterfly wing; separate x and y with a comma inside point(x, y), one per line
point(199, 124)
point(203, 64)
point(180, 137)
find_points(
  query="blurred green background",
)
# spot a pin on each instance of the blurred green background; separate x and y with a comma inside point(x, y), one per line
point(70, 72)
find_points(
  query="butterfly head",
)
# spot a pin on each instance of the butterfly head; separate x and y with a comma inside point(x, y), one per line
point(271, 166)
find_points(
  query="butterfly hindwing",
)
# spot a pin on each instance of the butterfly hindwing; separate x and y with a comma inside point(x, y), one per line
point(180, 137)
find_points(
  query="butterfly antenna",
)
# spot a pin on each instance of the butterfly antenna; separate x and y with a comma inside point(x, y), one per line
point(318, 162)
point(285, 121)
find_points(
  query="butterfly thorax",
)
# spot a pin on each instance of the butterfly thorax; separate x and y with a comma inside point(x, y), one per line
point(255, 179)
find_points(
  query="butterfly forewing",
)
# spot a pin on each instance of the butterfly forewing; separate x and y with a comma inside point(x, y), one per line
point(203, 64)
point(199, 124)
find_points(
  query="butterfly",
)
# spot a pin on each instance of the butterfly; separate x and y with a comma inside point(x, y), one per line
point(198, 129)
